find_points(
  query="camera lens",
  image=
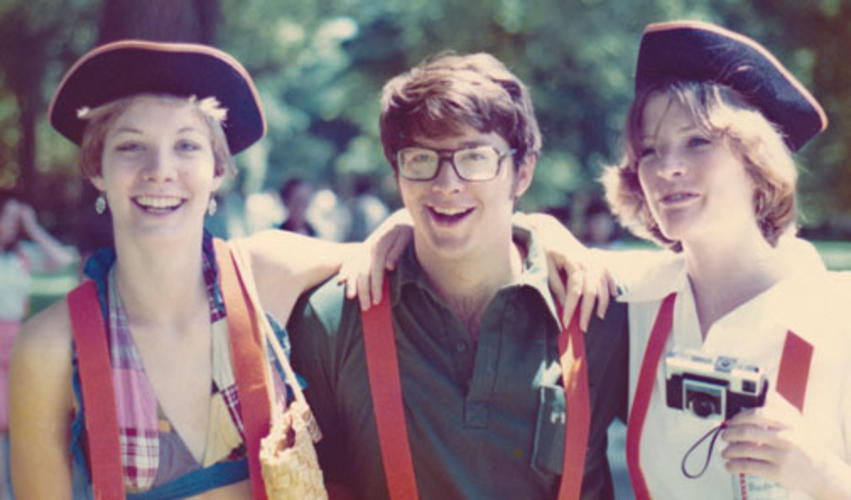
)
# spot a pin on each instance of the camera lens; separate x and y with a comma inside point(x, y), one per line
point(703, 405)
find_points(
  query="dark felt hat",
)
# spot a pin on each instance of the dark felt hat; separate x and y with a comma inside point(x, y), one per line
point(698, 51)
point(129, 67)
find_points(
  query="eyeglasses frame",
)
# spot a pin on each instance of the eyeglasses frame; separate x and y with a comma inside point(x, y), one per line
point(444, 155)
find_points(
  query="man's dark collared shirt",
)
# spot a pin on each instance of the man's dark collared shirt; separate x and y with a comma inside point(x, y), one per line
point(485, 419)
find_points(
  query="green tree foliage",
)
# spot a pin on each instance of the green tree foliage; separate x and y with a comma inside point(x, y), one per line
point(320, 65)
point(38, 40)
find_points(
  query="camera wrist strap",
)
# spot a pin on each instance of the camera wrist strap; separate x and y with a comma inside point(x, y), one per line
point(644, 390)
point(714, 432)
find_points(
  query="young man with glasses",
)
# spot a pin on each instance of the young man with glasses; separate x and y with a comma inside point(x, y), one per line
point(474, 322)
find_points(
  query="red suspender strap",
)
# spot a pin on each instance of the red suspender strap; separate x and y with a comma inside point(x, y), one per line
point(643, 391)
point(248, 364)
point(382, 363)
point(574, 373)
point(101, 416)
point(794, 371)
point(386, 389)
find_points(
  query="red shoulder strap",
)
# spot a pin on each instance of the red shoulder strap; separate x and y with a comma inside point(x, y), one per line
point(791, 383)
point(248, 361)
point(643, 392)
point(386, 389)
point(574, 374)
point(101, 416)
point(382, 363)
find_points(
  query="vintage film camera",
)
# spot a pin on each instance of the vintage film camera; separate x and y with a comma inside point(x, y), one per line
point(714, 388)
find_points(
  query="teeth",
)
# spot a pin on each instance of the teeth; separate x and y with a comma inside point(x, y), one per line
point(449, 211)
point(158, 201)
point(678, 197)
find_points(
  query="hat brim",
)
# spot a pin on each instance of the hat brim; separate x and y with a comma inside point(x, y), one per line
point(131, 67)
point(698, 51)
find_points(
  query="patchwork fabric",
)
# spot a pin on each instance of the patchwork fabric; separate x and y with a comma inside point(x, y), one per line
point(142, 423)
point(153, 453)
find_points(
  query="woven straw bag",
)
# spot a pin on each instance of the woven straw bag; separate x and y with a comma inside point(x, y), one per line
point(287, 456)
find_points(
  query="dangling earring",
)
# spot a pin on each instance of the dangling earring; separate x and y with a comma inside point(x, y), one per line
point(212, 206)
point(100, 204)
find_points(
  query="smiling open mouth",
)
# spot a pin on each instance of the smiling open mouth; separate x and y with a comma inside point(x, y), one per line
point(158, 204)
point(449, 215)
point(678, 197)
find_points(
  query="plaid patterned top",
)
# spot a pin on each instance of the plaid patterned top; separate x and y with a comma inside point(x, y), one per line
point(152, 451)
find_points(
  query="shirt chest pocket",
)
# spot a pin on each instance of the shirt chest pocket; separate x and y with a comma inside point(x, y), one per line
point(548, 451)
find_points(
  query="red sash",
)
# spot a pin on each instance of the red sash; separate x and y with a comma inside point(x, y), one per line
point(643, 391)
point(387, 402)
point(791, 384)
point(98, 394)
point(248, 362)
point(101, 417)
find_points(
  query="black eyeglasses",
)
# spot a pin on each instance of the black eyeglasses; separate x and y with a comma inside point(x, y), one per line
point(479, 163)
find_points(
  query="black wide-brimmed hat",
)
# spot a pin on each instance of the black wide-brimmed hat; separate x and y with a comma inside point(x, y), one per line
point(699, 51)
point(130, 67)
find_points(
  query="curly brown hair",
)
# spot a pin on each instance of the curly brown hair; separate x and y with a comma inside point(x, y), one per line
point(451, 91)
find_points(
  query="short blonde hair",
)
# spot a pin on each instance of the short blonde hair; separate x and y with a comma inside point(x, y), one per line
point(718, 110)
point(101, 119)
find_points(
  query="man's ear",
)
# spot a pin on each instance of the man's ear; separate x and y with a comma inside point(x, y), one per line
point(523, 176)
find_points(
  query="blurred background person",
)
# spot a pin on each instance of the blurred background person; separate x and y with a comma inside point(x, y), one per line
point(365, 209)
point(27, 248)
point(600, 229)
point(296, 195)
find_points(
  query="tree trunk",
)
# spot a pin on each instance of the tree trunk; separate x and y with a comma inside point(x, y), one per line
point(161, 20)
point(28, 110)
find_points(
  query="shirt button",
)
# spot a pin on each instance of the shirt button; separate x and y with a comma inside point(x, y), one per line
point(461, 346)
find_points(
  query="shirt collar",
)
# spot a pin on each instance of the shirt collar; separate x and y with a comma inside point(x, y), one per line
point(663, 273)
point(534, 276)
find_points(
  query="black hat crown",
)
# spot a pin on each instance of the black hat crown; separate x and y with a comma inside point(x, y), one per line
point(130, 67)
point(699, 51)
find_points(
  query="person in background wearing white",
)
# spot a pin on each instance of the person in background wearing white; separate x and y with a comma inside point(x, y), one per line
point(25, 248)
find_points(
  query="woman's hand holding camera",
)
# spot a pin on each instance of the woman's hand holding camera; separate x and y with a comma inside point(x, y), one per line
point(763, 445)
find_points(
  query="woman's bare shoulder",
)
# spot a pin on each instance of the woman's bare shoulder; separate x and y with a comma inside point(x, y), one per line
point(46, 335)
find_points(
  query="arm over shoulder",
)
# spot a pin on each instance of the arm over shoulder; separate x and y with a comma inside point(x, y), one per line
point(41, 403)
point(285, 264)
